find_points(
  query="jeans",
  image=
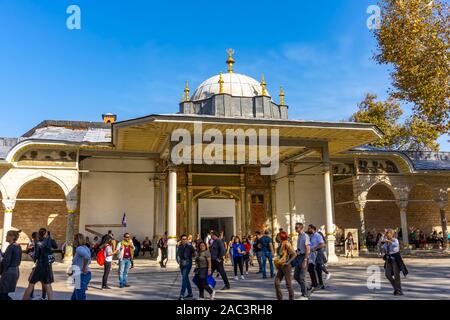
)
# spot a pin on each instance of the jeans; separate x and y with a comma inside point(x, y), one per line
point(185, 283)
point(286, 273)
point(124, 266)
point(300, 273)
point(392, 272)
point(80, 294)
point(258, 258)
point(238, 262)
point(106, 270)
point(266, 255)
point(315, 272)
point(218, 265)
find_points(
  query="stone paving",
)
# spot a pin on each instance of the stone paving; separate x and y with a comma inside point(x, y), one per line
point(429, 278)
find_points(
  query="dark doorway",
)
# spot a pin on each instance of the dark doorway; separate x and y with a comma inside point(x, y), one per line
point(217, 224)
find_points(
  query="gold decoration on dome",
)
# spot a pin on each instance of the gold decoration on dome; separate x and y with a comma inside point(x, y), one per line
point(281, 96)
point(230, 60)
point(186, 92)
point(263, 86)
point(220, 83)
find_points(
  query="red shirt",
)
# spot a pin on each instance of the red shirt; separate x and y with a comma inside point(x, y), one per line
point(127, 252)
point(247, 247)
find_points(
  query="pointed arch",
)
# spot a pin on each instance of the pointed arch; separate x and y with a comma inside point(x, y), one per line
point(3, 193)
point(46, 175)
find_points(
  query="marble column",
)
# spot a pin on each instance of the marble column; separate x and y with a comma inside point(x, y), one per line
point(442, 209)
point(243, 212)
point(157, 214)
point(292, 207)
point(7, 220)
point(70, 229)
point(402, 204)
point(172, 215)
point(360, 205)
point(331, 239)
point(273, 207)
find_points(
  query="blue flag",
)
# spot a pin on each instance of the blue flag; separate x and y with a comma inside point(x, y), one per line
point(124, 220)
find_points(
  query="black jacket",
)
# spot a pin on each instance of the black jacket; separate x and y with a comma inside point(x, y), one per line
point(10, 268)
point(398, 260)
point(217, 249)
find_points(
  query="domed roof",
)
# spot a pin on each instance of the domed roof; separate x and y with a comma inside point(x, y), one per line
point(235, 84)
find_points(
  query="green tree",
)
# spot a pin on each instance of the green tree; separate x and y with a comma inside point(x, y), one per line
point(412, 134)
point(415, 39)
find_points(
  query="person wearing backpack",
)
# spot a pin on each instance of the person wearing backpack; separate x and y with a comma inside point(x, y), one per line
point(108, 253)
point(42, 271)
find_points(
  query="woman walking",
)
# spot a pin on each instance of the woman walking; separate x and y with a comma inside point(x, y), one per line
point(248, 248)
point(349, 244)
point(284, 266)
point(109, 253)
point(393, 262)
point(202, 270)
point(42, 271)
point(9, 266)
point(238, 251)
point(80, 267)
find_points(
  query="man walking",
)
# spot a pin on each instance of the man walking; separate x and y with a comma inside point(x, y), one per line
point(257, 250)
point(314, 267)
point(185, 253)
point(267, 254)
point(126, 251)
point(218, 251)
point(163, 244)
point(301, 265)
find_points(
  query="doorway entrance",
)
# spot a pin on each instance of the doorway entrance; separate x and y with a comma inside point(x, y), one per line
point(217, 215)
point(224, 225)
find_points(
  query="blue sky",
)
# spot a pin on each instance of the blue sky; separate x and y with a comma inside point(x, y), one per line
point(132, 58)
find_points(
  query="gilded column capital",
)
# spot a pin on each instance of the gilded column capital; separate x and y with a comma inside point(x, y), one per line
point(71, 205)
point(326, 167)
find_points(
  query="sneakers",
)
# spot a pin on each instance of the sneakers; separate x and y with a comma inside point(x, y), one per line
point(328, 276)
point(189, 296)
point(236, 278)
point(225, 288)
point(303, 297)
point(242, 277)
point(105, 287)
point(212, 296)
point(246, 272)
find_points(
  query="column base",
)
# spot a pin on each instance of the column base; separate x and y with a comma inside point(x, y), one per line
point(363, 250)
point(67, 259)
point(332, 258)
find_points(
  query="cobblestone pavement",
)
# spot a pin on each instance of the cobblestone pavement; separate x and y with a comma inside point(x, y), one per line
point(429, 278)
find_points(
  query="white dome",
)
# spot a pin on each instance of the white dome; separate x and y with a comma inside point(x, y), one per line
point(235, 84)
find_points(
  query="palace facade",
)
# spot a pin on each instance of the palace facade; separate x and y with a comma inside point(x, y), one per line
point(77, 176)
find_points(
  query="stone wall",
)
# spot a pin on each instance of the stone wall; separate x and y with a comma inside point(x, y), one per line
point(423, 215)
point(29, 216)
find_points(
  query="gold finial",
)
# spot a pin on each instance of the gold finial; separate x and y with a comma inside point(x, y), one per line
point(230, 60)
point(281, 96)
point(186, 92)
point(220, 83)
point(263, 86)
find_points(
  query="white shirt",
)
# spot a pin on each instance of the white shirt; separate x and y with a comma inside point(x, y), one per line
point(108, 255)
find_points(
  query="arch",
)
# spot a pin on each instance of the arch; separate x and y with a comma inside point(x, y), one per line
point(40, 202)
point(388, 185)
point(210, 194)
point(46, 175)
point(381, 210)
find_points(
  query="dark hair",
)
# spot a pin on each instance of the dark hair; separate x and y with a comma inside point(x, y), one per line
point(257, 232)
point(42, 232)
point(34, 235)
point(183, 235)
point(299, 224)
point(312, 227)
point(200, 243)
point(125, 234)
point(266, 232)
point(14, 233)
point(237, 237)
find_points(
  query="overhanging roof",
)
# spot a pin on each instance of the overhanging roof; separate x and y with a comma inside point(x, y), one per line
point(150, 133)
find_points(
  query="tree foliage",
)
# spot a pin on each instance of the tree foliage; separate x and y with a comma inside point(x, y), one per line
point(415, 39)
point(412, 134)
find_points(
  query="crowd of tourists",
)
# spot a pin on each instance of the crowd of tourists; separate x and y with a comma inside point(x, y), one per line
point(204, 259)
point(275, 259)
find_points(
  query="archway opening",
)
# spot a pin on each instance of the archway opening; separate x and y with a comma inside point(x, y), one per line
point(381, 210)
point(40, 204)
